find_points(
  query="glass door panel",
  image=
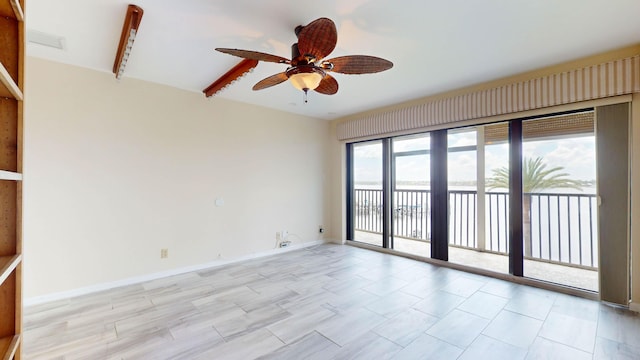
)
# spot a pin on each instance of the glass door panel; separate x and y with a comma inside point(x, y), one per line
point(462, 188)
point(469, 239)
point(462, 191)
point(559, 200)
point(495, 178)
point(367, 192)
point(411, 200)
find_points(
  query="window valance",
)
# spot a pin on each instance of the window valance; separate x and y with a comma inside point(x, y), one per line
point(613, 78)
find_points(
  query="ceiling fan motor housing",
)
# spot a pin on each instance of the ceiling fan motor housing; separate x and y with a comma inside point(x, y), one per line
point(299, 59)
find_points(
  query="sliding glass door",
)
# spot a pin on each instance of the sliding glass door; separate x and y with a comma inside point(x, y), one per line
point(493, 151)
point(411, 200)
point(478, 224)
point(367, 192)
point(512, 197)
point(559, 203)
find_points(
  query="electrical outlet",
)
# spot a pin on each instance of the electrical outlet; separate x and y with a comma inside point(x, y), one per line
point(285, 233)
point(164, 253)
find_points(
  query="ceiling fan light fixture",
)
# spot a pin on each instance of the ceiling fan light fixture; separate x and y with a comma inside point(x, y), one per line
point(305, 78)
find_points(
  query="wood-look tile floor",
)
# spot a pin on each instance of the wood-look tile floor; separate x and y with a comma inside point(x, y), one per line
point(329, 302)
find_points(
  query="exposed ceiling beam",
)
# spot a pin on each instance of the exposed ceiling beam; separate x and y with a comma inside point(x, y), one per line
point(129, 31)
point(230, 76)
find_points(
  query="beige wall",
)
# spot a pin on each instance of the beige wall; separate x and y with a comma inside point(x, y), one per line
point(338, 187)
point(115, 171)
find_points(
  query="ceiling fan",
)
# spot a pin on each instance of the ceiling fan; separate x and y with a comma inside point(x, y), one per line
point(307, 70)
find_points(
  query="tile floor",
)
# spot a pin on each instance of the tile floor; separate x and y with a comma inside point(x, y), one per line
point(329, 302)
point(581, 278)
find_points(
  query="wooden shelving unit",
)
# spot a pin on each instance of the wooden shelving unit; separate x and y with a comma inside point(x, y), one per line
point(9, 88)
point(9, 346)
point(7, 265)
point(12, 44)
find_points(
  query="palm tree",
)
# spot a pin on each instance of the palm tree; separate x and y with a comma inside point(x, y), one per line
point(535, 177)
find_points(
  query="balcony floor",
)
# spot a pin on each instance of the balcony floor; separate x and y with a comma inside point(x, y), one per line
point(555, 273)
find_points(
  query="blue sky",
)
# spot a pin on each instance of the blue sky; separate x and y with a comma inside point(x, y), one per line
point(576, 155)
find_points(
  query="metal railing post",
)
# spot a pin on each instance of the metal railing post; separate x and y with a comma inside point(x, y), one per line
point(480, 187)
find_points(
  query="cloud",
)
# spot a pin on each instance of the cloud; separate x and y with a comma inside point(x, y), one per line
point(462, 166)
point(577, 156)
point(496, 156)
point(409, 144)
point(466, 138)
point(368, 151)
point(413, 168)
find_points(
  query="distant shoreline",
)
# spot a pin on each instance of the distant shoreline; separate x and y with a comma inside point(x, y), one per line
point(589, 187)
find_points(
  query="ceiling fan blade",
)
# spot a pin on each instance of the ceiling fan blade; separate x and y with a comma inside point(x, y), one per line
point(359, 64)
point(270, 81)
point(319, 38)
point(328, 85)
point(254, 55)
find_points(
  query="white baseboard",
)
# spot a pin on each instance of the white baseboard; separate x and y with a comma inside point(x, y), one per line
point(36, 300)
point(634, 306)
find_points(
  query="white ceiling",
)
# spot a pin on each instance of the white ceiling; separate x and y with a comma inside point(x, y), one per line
point(435, 45)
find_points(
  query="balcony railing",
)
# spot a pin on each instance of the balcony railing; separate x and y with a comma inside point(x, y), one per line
point(562, 227)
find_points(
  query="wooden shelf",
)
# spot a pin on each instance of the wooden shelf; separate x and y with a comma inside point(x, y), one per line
point(10, 175)
point(9, 88)
point(8, 346)
point(11, 9)
point(7, 265)
point(12, 49)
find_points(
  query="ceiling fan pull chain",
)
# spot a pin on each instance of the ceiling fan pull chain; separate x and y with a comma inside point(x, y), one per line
point(306, 91)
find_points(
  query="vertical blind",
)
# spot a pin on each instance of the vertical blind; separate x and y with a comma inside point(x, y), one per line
point(613, 78)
